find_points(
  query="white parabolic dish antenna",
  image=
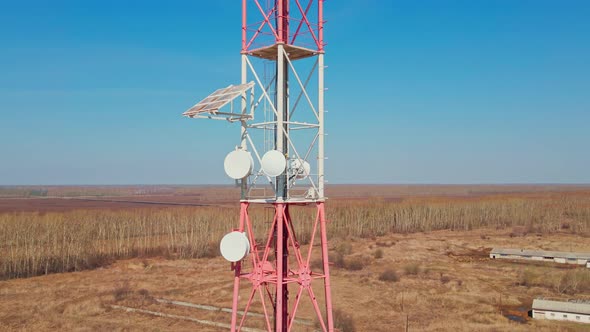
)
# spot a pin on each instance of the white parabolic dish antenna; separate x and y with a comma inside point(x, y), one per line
point(238, 164)
point(234, 246)
point(273, 163)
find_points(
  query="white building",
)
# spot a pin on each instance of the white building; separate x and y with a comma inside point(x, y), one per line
point(579, 258)
point(559, 310)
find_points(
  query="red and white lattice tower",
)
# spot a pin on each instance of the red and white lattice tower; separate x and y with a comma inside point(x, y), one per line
point(281, 117)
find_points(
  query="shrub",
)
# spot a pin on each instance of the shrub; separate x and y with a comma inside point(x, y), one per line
point(354, 264)
point(389, 275)
point(338, 260)
point(344, 248)
point(343, 321)
point(575, 281)
point(412, 269)
point(525, 278)
point(378, 254)
point(121, 291)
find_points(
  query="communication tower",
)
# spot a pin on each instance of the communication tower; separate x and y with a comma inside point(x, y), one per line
point(278, 160)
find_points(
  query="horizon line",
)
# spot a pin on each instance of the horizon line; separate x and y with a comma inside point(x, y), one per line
point(332, 184)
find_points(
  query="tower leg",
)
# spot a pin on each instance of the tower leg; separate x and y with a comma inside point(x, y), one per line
point(234, 313)
point(285, 270)
point(237, 267)
point(327, 286)
point(282, 268)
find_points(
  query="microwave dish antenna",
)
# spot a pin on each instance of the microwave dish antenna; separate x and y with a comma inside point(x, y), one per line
point(238, 164)
point(234, 246)
point(273, 163)
point(300, 169)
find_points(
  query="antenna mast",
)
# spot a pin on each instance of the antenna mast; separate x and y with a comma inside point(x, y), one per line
point(289, 34)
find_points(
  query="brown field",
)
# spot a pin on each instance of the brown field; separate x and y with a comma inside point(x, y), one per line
point(411, 255)
point(66, 198)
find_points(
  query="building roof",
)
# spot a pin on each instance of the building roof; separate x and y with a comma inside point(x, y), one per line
point(526, 252)
point(561, 306)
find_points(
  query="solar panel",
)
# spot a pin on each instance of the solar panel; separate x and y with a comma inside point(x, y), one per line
point(218, 99)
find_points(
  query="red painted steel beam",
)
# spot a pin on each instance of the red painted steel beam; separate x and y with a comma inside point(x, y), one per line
point(301, 22)
point(321, 24)
point(280, 28)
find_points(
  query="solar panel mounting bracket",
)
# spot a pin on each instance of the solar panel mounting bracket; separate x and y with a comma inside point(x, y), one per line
point(209, 107)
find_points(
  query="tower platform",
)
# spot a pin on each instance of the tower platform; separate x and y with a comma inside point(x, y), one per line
point(271, 52)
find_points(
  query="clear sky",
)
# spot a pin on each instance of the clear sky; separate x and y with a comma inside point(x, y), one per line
point(437, 91)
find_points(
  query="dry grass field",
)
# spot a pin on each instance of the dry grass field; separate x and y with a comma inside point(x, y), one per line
point(414, 256)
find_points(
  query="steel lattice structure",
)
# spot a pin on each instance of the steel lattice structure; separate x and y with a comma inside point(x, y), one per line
point(286, 36)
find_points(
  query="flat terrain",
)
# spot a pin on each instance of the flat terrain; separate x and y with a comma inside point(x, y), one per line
point(58, 204)
point(65, 198)
point(440, 280)
point(456, 287)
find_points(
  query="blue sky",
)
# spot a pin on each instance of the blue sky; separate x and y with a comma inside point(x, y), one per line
point(91, 92)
